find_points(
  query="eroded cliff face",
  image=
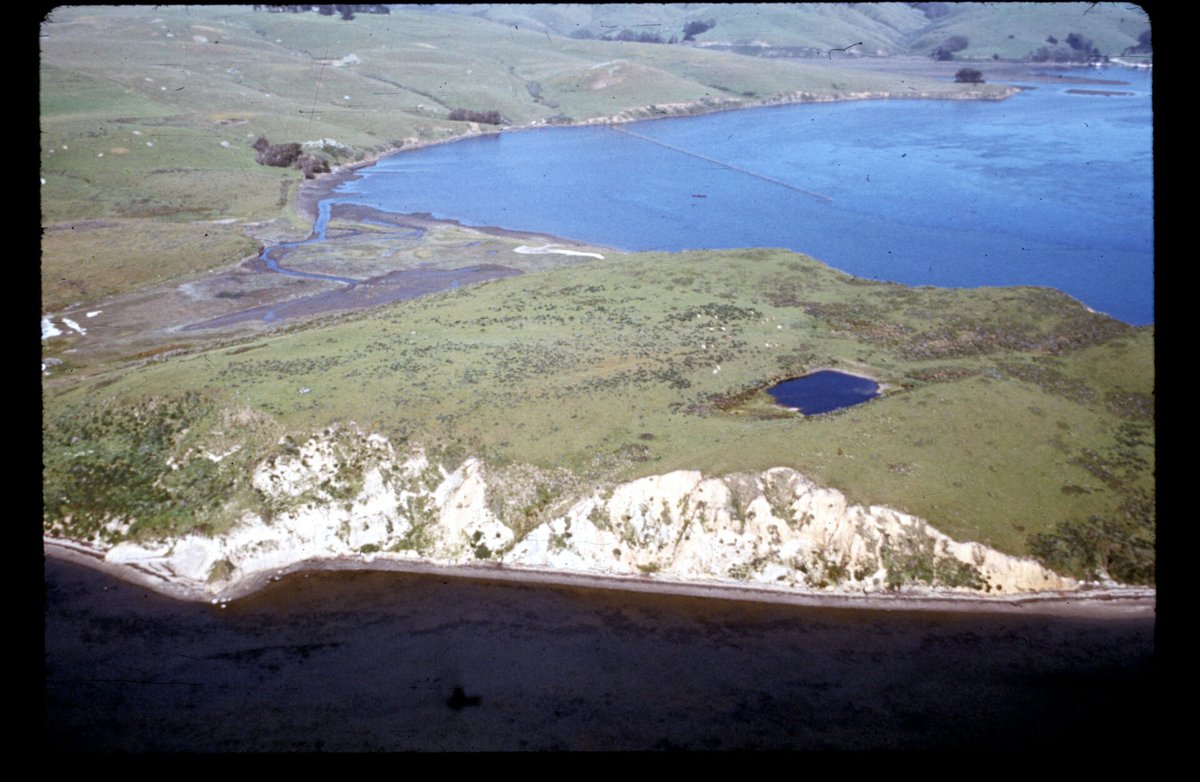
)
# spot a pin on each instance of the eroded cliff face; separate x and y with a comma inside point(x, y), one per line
point(349, 494)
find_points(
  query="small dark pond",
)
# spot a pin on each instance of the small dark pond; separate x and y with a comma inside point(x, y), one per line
point(824, 391)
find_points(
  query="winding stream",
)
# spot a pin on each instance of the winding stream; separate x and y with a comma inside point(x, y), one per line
point(324, 209)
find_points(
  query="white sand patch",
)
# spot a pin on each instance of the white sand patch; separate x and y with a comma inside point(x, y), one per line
point(49, 329)
point(546, 249)
point(217, 457)
point(200, 39)
point(94, 313)
point(74, 326)
point(225, 221)
point(226, 144)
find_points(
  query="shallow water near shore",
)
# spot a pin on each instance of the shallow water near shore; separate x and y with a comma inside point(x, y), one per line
point(1045, 188)
point(370, 661)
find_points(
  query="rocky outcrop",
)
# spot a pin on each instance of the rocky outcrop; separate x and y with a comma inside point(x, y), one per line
point(348, 494)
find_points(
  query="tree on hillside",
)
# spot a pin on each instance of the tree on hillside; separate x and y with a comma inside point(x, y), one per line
point(692, 29)
point(636, 37)
point(278, 155)
point(288, 156)
point(483, 117)
point(955, 43)
point(1143, 45)
point(968, 76)
point(1078, 42)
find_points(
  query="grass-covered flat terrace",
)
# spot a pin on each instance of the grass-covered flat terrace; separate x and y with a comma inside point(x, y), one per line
point(1008, 412)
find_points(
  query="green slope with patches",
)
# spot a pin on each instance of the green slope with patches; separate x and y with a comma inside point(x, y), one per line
point(1010, 412)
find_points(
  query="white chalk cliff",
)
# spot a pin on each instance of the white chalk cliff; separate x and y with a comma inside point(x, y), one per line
point(349, 494)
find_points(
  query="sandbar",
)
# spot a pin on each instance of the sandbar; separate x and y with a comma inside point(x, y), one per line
point(1110, 603)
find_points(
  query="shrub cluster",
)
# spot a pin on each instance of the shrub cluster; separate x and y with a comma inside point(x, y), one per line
point(1078, 49)
point(312, 165)
point(483, 117)
point(690, 31)
point(1120, 545)
point(288, 156)
point(694, 28)
point(955, 43)
point(279, 155)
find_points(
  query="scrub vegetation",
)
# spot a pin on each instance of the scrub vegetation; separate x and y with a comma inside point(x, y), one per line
point(1014, 417)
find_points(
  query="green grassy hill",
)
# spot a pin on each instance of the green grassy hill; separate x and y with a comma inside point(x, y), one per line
point(1015, 31)
point(1012, 31)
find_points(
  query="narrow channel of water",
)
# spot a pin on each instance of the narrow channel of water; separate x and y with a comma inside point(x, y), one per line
point(270, 255)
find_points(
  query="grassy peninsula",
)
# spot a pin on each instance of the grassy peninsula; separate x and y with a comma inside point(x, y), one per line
point(1013, 417)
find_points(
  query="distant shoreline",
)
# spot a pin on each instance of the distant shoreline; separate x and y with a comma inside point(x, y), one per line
point(1095, 603)
point(312, 192)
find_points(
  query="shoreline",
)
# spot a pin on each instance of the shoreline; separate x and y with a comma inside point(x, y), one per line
point(311, 192)
point(1119, 602)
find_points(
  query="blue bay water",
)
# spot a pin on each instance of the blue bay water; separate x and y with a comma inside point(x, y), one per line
point(1045, 188)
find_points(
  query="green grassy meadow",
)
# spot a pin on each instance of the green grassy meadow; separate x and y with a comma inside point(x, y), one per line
point(995, 427)
point(1012, 416)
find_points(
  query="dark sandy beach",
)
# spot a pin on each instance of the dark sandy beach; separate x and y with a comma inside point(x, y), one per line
point(359, 661)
